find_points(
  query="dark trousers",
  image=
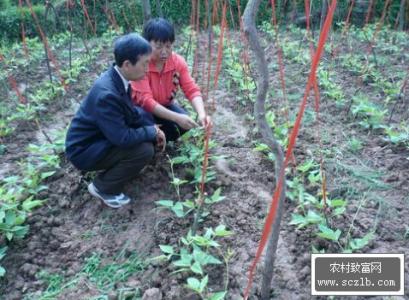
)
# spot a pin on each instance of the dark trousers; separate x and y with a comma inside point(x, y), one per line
point(172, 130)
point(121, 165)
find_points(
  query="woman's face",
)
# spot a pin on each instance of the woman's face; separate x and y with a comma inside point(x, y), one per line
point(161, 50)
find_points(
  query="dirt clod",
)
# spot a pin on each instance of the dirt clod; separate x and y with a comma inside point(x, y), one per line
point(152, 294)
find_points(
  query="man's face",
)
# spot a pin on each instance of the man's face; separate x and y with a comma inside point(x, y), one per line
point(161, 50)
point(138, 70)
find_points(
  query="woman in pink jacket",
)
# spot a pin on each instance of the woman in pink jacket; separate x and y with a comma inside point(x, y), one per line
point(167, 71)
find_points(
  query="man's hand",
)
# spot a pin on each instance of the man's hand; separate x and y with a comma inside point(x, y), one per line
point(160, 138)
point(205, 121)
point(186, 122)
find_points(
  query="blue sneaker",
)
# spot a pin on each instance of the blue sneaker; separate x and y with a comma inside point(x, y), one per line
point(114, 201)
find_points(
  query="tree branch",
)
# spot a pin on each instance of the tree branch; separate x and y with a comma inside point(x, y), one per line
point(268, 138)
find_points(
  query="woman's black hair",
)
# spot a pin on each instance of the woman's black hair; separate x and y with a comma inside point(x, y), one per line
point(130, 47)
point(160, 30)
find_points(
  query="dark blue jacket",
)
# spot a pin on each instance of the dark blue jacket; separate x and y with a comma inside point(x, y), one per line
point(106, 119)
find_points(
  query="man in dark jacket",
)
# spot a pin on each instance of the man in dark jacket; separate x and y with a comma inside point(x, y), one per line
point(108, 133)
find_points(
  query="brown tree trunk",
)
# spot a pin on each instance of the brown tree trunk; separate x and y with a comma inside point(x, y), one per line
point(159, 9)
point(402, 15)
point(259, 113)
point(146, 10)
point(359, 12)
point(284, 11)
point(324, 9)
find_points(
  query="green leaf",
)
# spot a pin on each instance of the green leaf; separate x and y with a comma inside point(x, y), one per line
point(203, 283)
point(180, 159)
point(3, 252)
point(313, 217)
point(356, 244)
point(11, 179)
point(261, 147)
point(178, 210)
point(220, 227)
point(339, 211)
point(337, 203)
point(20, 231)
point(2, 149)
point(184, 252)
point(2, 271)
point(203, 258)
point(29, 204)
point(315, 250)
point(39, 189)
point(328, 233)
point(214, 244)
point(166, 249)
point(297, 219)
point(45, 175)
point(216, 193)
point(7, 206)
point(182, 263)
point(218, 296)
point(200, 240)
point(210, 259)
point(310, 198)
point(10, 217)
point(314, 177)
point(215, 197)
point(307, 165)
point(20, 218)
point(166, 203)
point(194, 284)
point(221, 231)
point(2, 215)
point(9, 236)
point(196, 268)
point(177, 181)
point(185, 259)
point(189, 204)
point(209, 233)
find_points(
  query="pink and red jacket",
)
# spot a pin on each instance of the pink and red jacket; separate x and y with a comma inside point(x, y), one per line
point(161, 87)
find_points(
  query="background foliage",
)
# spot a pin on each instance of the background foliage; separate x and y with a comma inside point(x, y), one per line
point(128, 14)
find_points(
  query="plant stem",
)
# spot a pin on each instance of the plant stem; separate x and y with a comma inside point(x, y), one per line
point(177, 187)
point(361, 202)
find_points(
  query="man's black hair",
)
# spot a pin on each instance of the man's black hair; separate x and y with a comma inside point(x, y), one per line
point(159, 30)
point(130, 47)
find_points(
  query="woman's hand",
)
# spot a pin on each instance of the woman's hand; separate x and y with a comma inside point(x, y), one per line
point(205, 121)
point(185, 122)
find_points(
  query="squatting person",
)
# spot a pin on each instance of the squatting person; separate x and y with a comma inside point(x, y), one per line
point(108, 133)
point(167, 71)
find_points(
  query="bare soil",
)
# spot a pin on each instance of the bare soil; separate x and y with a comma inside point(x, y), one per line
point(73, 225)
